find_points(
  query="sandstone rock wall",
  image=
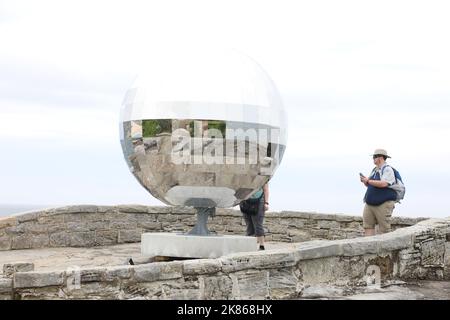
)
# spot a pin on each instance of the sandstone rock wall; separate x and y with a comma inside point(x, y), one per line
point(87, 226)
point(418, 251)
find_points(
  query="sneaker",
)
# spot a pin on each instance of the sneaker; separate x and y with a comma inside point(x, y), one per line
point(262, 248)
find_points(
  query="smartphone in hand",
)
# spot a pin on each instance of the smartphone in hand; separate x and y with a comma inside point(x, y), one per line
point(361, 175)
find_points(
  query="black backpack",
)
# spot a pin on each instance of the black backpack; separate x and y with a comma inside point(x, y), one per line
point(251, 206)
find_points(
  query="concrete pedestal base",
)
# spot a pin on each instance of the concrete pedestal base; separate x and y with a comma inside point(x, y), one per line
point(189, 246)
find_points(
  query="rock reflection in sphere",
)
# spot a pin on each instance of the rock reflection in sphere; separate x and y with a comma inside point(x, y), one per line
point(205, 131)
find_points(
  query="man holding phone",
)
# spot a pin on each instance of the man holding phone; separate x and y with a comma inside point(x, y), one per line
point(379, 198)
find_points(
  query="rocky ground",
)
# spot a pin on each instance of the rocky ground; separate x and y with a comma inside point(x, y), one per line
point(420, 290)
point(398, 290)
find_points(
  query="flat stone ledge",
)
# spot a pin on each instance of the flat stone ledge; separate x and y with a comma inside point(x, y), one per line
point(347, 218)
point(10, 268)
point(38, 279)
point(132, 208)
point(203, 266)
point(118, 272)
point(6, 285)
point(268, 259)
point(158, 271)
point(291, 214)
point(77, 209)
point(319, 250)
point(407, 221)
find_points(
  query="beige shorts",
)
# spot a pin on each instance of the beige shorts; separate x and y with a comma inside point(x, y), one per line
point(380, 215)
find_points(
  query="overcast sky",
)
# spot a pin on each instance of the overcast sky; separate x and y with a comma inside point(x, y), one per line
point(354, 76)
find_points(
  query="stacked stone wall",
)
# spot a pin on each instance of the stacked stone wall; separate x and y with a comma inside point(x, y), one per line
point(88, 226)
point(419, 251)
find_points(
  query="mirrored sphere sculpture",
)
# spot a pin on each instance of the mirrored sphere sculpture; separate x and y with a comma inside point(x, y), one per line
point(203, 129)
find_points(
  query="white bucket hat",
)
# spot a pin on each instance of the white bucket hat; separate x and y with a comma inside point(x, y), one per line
point(381, 152)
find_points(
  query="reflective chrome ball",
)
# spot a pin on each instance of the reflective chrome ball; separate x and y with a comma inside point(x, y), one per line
point(206, 129)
